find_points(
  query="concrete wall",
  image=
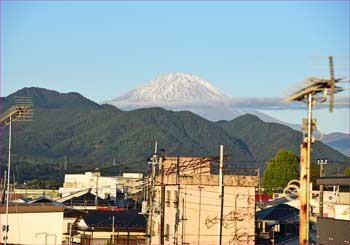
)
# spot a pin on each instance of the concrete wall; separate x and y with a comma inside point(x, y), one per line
point(199, 205)
point(34, 228)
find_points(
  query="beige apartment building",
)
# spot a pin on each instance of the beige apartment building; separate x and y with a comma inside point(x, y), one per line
point(193, 196)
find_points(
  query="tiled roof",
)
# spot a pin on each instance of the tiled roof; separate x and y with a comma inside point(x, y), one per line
point(122, 219)
point(279, 212)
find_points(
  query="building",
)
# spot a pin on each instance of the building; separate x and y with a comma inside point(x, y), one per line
point(106, 186)
point(84, 199)
point(277, 224)
point(333, 227)
point(110, 227)
point(39, 223)
point(189, 205)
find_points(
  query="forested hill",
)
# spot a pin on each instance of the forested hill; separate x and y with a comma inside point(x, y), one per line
point(90, 135)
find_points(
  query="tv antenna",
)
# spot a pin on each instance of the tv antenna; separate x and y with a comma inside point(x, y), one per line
point(314, 90)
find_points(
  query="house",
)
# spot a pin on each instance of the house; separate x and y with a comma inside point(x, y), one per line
point(37, 223)
point(188, 203)
point(111, 227)
point(69, 217)
point(277, 224)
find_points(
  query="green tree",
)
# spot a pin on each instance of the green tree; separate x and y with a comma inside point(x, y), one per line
point(347, 171)
point(282, 168)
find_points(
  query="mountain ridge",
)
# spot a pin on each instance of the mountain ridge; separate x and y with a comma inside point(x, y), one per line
point(93, 136)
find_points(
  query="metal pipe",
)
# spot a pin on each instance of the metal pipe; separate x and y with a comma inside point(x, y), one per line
point(8, 182)
point(308, 163)
point(303, 188)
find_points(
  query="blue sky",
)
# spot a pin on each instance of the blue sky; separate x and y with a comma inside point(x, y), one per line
point(103, 49)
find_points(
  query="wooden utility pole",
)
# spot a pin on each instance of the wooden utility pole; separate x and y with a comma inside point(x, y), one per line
point(221, 195)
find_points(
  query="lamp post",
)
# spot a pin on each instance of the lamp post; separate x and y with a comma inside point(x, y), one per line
point(321, 162)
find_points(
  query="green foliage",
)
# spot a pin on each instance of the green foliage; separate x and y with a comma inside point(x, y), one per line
point(347, 171)
point(314, 172)
point(280, 170)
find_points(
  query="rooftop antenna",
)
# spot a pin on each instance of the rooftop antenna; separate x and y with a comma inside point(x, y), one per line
point(21, 111)
point(310, 95)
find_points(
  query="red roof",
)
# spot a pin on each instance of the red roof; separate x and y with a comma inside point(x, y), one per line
point(264, 197)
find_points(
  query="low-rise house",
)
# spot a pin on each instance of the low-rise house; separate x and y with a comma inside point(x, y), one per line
point(277, 224)
point(111, 227)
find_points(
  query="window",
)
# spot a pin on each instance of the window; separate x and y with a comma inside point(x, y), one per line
point(167, 199)
point(167, 232)
point(176, 201)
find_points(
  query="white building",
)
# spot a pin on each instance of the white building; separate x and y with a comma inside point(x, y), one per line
point(33, 224)
point(105, 185)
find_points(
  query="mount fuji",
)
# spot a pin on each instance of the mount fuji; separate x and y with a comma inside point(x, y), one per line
point(180, 91)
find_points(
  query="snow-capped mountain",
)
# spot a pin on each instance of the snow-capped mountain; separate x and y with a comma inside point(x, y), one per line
point(179, 91)
point(172, 89)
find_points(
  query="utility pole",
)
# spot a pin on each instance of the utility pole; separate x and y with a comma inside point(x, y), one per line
point(8, 183)
point(258, 170)
point(199, 214)
point(65, 163)
point(4, 189)
point(162, 202)
point(113, 229)
point(176, 232)
point(221, 195)
point(97, 174)
point(151, 198)
point(183, 219)
point(321, 162)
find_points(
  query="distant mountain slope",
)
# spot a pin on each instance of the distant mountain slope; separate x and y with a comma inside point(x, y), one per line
point(264, 139)
point(91, 136)
point(44, 98)
point(338, 141)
